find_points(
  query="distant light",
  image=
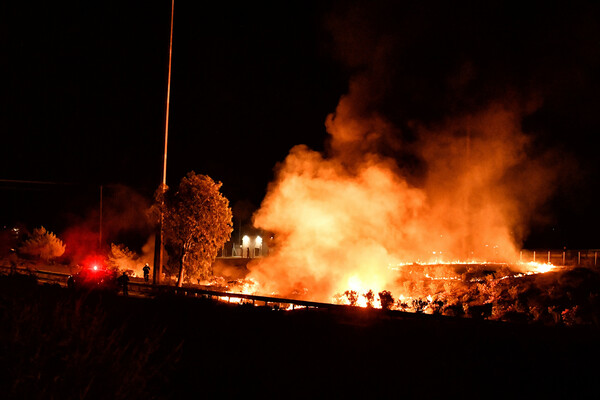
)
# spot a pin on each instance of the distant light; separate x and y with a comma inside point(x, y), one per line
point(258, 241)
point(95, 267)
point(245, 240)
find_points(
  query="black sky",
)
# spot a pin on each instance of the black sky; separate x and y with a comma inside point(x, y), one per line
point(84, 88)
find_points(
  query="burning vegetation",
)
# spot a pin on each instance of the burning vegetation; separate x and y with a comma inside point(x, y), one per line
point(353, 220)
point(404, 214)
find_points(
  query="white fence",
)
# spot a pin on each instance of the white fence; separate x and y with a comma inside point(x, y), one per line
point(583, 257)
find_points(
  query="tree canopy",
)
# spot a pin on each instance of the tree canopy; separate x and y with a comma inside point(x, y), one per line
point(43, 244)
point(196, 223)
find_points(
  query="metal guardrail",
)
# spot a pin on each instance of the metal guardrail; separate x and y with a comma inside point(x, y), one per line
point(45, 276)
point(148, 289)
point(195, 292)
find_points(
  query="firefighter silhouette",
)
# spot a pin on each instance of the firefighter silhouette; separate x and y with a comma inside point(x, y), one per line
point(124, 281)
point(146, 272)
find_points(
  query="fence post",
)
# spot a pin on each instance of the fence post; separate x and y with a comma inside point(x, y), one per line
point(548, 256)
point(534, 256)
point(578, 257)
point(564, 257)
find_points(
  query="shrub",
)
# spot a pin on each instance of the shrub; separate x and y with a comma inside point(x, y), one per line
point(386, 299)
point(43, 244)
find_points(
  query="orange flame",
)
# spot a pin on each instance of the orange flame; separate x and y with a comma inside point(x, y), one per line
point(342, 221)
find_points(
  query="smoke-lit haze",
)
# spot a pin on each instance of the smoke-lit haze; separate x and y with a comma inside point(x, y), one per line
point(392, 189)
point(124, 220)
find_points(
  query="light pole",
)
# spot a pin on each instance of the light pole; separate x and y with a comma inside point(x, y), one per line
point(100, 222)
point(158, 245)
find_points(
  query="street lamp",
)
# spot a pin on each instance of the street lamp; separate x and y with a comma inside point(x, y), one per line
point(246, 245)
point(258, 244)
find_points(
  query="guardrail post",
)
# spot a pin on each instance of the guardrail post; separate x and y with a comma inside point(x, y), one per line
point(578, 257)
point(534, 256)
point(564, 257)
point(548, 256)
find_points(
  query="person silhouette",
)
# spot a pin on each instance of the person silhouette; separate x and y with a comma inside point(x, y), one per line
point(146, 272)
point(123, 281)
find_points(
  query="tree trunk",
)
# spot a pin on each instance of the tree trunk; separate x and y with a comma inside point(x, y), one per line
point(180, 278)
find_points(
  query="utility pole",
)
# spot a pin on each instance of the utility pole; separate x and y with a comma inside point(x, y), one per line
point(158, 245)
point(100, 229)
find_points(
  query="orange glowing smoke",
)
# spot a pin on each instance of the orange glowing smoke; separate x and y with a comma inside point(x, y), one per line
point(334, 229)
point(347, 219)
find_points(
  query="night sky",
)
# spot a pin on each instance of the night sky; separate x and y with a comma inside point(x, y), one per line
point(84, 89)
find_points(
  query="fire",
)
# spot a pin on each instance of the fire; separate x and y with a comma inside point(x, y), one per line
point(422, 287)
point(539, 268)
point(339, 222)
point(462, 188)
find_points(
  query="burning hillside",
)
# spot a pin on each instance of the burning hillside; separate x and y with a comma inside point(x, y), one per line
point(343, 220)
point(357, 217)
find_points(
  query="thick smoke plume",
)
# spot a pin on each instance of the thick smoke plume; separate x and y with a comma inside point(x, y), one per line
point(458, 188)
point(342, 225)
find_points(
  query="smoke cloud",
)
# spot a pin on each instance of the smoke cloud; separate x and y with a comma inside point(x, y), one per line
point(395, 187)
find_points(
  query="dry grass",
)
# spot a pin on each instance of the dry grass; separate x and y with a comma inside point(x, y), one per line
point(57, 343)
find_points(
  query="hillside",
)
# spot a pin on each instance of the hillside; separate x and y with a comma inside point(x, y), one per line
point(56, 343)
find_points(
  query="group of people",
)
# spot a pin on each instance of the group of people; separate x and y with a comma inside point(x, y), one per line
point(123, 280)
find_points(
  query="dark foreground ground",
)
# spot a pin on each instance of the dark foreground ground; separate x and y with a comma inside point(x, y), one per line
point(56, 343)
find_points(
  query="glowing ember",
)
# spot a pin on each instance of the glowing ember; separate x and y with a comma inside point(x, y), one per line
point(539, 268)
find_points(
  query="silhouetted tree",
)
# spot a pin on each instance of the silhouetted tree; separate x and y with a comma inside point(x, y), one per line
point(352, 297)
point(197, 222)
point(419, 305)
point(370, 297)
point(436, 306)
point(386, 299)
point(402, 305)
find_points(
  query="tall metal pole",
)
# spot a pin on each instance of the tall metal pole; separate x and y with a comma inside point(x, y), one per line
point(158, 246)
point(100, 229)
point(164, 176)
